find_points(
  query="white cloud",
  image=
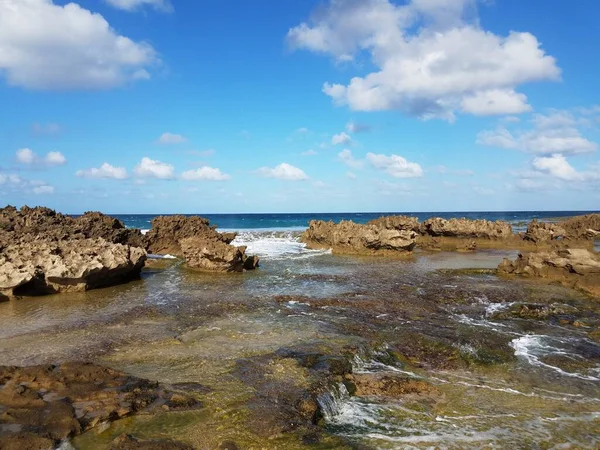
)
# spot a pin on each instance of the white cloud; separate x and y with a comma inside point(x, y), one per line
point(47, 46)
point(340, 139)
point(26, 156)
point(319, 184)
point(395, 165)
point(351, 175)
point(55, 159)
point(481, 190)
point(44, 189)
point(303, 130)
point(283, 171)
point(558, 167)
point(170, 138)
point(310, 152)
point(29, 157)
point(104, 171)
point(347, 158)
point(553, 133)
point(149, 168)
point(133, 5)
point(205, 173)
point(433, 59)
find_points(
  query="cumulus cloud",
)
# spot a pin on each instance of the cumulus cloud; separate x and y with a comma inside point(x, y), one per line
point(347, 158)
point(355, 127)
point(104, 171)
point(341, 139)
point(433, 58)
point(558, 167)
point(134, 5)
point(13, 182)
point(29, 157)
point(54, 47)
point(395, 165)
point(205, 173)
point(171, 138)
point(554, 133)
point(149, 168)
point(283, 171)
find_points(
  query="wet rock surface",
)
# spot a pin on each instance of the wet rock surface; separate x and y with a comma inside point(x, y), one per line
point(48, 267)
point(579, 268)
point(41, 406)
point(203, 247)
point(128, 442)
point(348, 237)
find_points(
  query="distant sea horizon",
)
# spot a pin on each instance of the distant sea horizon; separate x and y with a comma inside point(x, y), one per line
point(299, 221)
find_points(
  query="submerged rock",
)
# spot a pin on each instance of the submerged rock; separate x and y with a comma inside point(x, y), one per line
point(128, 442)
point(352, 238)
point(579, 268)
point(48, 267)
point(40, 406)
point(386, 385)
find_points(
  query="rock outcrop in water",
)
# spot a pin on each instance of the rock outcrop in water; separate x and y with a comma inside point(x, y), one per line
point(464, 234)
point(578, 268)
point(544, 232)
point(583, 227)
point(347, 237)
point(41, 406)
point(40, 223)
point(202, 246)
point(46, 267)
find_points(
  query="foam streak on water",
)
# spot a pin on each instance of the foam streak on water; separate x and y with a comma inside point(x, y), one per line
point(275, 244)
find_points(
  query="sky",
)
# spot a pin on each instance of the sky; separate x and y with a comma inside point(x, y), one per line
point(223, 106)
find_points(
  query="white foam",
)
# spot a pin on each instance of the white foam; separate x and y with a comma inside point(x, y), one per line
point(532, 347)
point(144, 230)
point(275, 244)
point(153, 256)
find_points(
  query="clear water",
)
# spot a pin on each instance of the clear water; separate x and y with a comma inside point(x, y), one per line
point(179, 326)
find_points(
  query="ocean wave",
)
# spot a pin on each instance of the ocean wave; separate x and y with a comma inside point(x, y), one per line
point(153, 256)
point(276, 244)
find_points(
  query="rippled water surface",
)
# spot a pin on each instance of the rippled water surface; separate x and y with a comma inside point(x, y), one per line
point(504, 380)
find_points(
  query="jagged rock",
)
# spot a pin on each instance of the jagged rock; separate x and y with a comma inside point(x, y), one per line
point(199, 243)
point(465, 228)
point(42, 405)
point(578, 268)
point(397, 223)
point(168, 231)
point(543, 232)
point(583, 227)
point(40, 223)
point(352, 238)
point(216, 256)
point(47, 267)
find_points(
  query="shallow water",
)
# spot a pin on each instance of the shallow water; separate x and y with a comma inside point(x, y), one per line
point(505, 382)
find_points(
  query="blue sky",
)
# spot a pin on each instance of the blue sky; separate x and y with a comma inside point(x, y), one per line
point(157, 106)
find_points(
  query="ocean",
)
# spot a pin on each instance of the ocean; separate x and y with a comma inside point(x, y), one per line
point(299, 221)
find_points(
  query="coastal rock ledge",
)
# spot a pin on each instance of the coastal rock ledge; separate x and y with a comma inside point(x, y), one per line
point(49, 267)
point(577, 268)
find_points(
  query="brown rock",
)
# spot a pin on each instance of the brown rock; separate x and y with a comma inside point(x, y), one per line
point(465, 228)
point(128, 442)
point(397, 223)
point(543, 232)
point(215, 256)
point(46, 267)
point(579, 268)
point(352, 238)
point(42, 405)
point(583, 227)
point(384, 385)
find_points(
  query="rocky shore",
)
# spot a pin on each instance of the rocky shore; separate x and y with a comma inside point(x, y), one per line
point(45, 252)
point(404, 234)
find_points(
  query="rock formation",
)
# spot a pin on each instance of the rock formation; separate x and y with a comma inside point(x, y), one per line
point(40, 223)
point(44, 405)
point(199, 243)
point(466, 229)
point(47, 267)
point(582, 227)
point(544, 232)
point(347, 237)
point(578, 268)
